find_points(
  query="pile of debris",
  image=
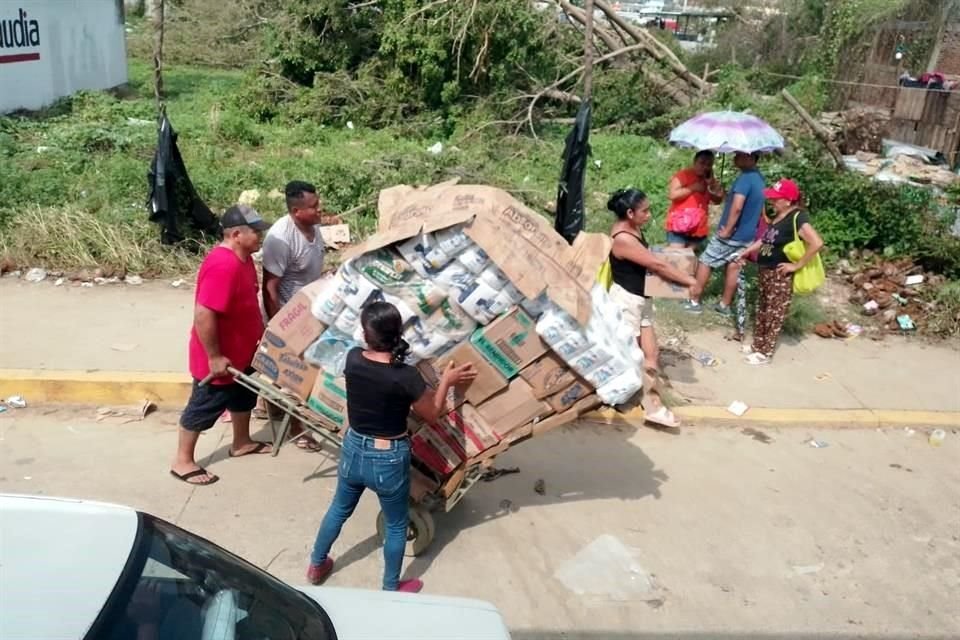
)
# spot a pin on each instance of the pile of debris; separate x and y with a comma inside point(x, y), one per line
point(901, 168)
point(857, 129)
point(895, 292)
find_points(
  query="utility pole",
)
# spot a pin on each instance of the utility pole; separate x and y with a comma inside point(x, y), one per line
point(158, 7)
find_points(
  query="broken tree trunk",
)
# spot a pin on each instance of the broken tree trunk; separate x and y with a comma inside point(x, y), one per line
point(818, 130)
point(655, 48)
point(672, 90)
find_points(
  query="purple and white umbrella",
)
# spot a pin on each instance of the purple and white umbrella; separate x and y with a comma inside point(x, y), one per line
point(726, 132)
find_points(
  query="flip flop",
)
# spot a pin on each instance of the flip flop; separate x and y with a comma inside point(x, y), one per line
point(193, 474)
point(307, 443)
point(662, 417)
point(257, 449)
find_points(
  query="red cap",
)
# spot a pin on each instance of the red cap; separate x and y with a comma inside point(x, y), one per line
point(784, 188)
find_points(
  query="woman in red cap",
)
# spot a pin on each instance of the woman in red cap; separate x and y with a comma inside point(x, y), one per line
point(787, 221)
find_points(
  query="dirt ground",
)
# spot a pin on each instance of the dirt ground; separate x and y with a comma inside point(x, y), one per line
point(711, 533)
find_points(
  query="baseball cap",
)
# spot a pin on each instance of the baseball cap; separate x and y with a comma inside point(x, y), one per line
point(784, 188)
point(243, 215)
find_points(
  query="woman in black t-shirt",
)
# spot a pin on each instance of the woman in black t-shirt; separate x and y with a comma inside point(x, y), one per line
point(788, 221)
point(375, 455)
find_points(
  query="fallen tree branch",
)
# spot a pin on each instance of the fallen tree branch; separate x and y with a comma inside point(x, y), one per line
point(818, 130)
point(572, 74)
point(675, 92)
point(655, 48)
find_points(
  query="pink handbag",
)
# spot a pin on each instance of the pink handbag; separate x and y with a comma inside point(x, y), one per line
point(685, 220)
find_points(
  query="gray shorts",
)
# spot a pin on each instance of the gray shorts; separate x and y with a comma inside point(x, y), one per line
point(719, 252)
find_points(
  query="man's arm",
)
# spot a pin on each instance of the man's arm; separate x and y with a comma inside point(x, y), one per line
point(276, 256)
point(205, 322)
point(736, 208)
point(271, 293)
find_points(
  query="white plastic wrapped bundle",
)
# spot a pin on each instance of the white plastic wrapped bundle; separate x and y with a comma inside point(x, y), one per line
point(425, 344)
point(328, 305)
point(480, 302)
point(414, 251)
point(394, 276)
point(454, 278)
point(536, 306)
point(330, 350)
point(356, 289)
point(348, 321)
point(604, 354)
point(474, 258)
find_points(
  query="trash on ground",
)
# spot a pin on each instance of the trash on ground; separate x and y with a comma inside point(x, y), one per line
point(86, 285)
point(608, 569)
point(148, 407)
point(706, 359)
point(803, 570)
point(176, 284)
point(59, 282)
point(871, 306)
point(854, 329)
point(350, 125)
point(540, 487)
point(123, 346)
point(16, 402)
point(937, 436)
point(738, 408)
point(899, 298)
point(35, 275)
point(436, 149)
point(906, 323)
point(134, 280)
point(909, 431)
point(914, 280)
point(110, 280)
point(818, 444)
point(493, 473)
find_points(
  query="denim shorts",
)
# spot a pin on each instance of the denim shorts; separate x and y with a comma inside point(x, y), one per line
point(207, 404)
point(720, 251)
point(684, 238)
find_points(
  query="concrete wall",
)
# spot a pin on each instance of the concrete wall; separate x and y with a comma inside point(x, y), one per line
point(69, 45)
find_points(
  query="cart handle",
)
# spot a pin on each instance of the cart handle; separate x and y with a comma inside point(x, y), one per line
point(230, 370)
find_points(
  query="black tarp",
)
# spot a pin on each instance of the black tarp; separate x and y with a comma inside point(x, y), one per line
point(570, 218)
point(174, 203)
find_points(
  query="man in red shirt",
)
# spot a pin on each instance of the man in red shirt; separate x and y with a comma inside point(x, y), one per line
point(227, 326)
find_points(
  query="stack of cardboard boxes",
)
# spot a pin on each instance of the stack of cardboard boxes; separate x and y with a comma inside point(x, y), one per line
point(522, 388)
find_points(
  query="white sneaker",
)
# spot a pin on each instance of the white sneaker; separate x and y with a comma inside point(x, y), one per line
point(757, 359)
point(746, 349)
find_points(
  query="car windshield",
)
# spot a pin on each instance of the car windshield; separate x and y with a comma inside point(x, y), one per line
point(179, 586)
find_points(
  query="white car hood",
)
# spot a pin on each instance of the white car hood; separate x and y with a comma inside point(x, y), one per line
point(361, 615)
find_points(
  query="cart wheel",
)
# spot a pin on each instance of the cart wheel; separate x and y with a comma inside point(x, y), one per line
point(420, 531)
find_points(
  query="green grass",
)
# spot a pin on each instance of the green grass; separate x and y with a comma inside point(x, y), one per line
point(88, 156)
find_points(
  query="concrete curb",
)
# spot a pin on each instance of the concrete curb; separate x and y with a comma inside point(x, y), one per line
point(171, 390)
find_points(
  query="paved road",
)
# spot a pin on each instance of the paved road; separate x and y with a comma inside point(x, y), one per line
point(740, 534)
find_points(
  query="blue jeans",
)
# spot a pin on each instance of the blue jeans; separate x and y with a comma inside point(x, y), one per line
point(386, 472)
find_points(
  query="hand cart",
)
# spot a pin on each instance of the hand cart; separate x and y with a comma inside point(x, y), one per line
point(429, 494)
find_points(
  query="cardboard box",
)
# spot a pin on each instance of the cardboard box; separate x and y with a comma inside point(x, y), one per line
point(470, 431)
point(432, 451)
point(512, 408)
point(510, 342)
point(329, 400)
point(682, 259)
point(566, 398)
point(579, 408)
point(294, 328)
point(548, 375)
point(488, 381)
point(286, 370)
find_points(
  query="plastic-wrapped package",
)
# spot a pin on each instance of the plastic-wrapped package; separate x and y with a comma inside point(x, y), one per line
point(330, 350)
point(414, 251)
point(621, 388)
point(330, 304)
point(535, 307)
point(424, 343)
point(395, 276)
point(480, 302)
point(356, 289)
point(347, 321)
point(451, 320)
point(494, 278)
point(556, 325)
point(474, 258)
point(454, 278)
point(407, 313)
